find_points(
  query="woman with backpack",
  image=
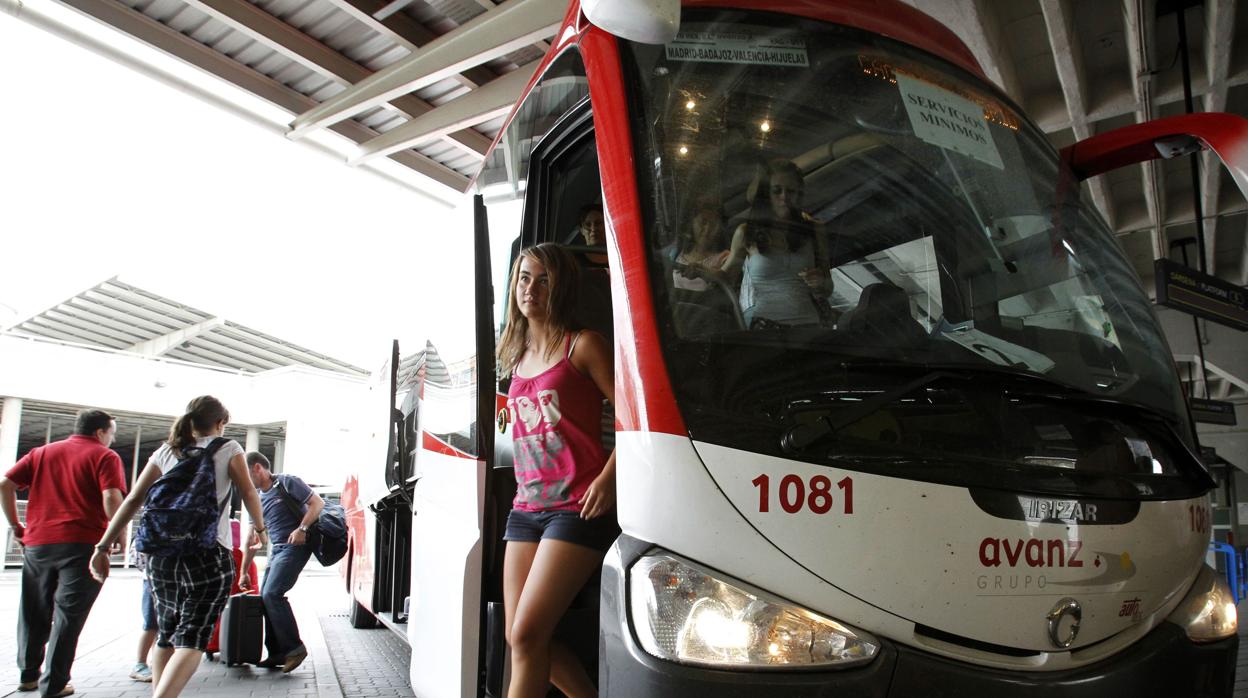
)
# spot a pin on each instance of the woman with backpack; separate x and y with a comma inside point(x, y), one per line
point(184, 492)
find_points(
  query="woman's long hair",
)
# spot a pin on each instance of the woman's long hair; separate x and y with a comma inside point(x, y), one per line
point(202, 414)
point(762, 220)
point(564, 275)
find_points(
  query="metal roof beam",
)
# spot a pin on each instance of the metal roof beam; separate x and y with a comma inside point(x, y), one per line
point(977, 25)
point(46, 330)
point(271, 354)
point(1068, 58)
point(210, 356)
point(1113, 107)
point(488, 102)
point(542, 46)
point(244, 353)
point(485, 37)
point(128, 308)
point(294, 351)
point(114, 315)
point(404, 30)
point(135, 296)
point(1219, 26)
point(186, 49)
point(1137, 20)
point(90, 324)
point(80, 329)
point(1217, 372)
point(107, 318)
point(252, 21)
point(157, 346)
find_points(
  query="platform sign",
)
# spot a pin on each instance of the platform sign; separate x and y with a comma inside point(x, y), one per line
point(1202, 295)
point(1213, 411)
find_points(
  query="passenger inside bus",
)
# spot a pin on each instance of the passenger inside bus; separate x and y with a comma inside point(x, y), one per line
point(700, 248)
point(592, 228)
point(778, 254)
point(593, 306)
point(883, 316)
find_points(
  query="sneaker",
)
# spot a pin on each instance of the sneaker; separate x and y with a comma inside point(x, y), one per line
point(294, 659)
point(141, 672)
point(67, 691)
point(28, 685)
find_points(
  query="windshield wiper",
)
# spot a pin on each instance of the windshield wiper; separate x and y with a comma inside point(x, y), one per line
point(802, 436)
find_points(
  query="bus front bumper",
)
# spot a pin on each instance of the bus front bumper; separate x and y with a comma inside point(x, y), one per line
point(1165, 663)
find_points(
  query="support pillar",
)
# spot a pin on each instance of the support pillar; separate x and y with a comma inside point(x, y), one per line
point(252, 444)
point(279, 455)
point(134, 477)
point(10, 430)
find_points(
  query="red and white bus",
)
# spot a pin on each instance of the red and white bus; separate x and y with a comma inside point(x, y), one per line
point(973, 474)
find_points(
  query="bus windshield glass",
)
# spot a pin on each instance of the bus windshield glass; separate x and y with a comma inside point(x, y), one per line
point(865, 256)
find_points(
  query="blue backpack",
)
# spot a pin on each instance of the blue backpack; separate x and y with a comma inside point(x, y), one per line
point(180, 512)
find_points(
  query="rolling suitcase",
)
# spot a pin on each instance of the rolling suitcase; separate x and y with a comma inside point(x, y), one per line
point(214, 643)
point(242, 630)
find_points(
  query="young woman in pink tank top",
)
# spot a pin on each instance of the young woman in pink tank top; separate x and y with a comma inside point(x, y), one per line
point(563, 518)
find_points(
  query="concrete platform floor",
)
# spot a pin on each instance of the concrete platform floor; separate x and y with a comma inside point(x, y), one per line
point(342, 661)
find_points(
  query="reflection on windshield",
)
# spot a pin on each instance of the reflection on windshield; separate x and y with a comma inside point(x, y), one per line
point(823, 196)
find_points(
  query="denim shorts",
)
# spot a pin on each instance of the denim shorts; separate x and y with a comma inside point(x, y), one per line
point(149, 606)
point(568, 526)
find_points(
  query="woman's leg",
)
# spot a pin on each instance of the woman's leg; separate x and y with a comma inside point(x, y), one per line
point(160, 657)
point(567, 673)
point(148, 636)
point(558, 571)
point(517, 560)
point(146, 639)
point(177, 671)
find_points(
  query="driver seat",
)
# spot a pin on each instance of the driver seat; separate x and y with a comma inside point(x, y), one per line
point(883, 315)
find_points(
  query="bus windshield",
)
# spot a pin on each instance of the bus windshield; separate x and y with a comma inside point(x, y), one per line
point(863, 255)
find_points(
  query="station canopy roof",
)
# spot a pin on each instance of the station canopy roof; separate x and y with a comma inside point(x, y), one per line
point(118, 316)
point(428, 83)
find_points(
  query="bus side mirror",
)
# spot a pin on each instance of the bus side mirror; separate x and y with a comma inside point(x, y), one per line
point(1225, 134)
point(643, 21)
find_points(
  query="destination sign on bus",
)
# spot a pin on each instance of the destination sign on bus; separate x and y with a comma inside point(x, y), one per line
point(1202, 295)
point(738, 47)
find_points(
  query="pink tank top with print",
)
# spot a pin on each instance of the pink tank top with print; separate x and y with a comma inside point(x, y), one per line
point(557, 431)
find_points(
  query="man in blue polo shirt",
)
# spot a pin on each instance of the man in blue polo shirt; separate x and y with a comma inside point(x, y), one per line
point(290, 509)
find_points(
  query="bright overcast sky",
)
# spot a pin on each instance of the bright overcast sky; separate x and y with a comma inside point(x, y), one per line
point(108, 172)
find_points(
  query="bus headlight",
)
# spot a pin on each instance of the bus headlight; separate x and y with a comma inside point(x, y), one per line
point(685, 614)
point(1208, 612)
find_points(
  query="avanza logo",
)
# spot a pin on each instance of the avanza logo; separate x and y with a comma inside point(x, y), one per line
point(1033, 552)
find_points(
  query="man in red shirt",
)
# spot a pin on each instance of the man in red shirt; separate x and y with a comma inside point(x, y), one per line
point(75, 487)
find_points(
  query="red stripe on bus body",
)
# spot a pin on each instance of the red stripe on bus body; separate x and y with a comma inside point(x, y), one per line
point(429, 442)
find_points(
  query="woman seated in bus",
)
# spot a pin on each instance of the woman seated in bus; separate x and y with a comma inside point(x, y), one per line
point(563, 517)
point(591, 225)
point(700, 249)
point(778, 254)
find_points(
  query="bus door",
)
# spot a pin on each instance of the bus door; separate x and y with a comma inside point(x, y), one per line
point(553, 180)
